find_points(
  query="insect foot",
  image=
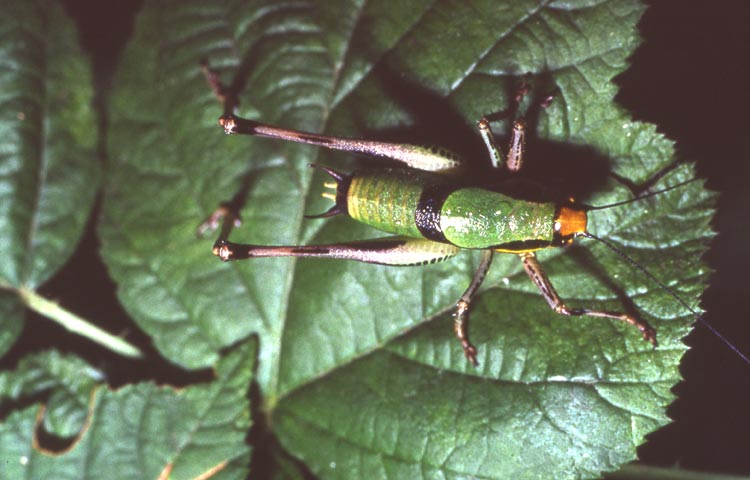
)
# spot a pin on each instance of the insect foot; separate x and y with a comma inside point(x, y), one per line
point(460, 319)
point(649, 334)
point(222, 250)
point(214, 220)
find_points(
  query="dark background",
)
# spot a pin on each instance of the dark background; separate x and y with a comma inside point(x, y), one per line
point(691, 78)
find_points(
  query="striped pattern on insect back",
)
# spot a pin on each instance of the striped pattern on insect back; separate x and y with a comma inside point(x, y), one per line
point(385, 200)
point(429, 208)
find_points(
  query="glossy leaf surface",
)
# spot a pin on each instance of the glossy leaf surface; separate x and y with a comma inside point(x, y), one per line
point(138, 431)
point(49, 174)
point(358, 368)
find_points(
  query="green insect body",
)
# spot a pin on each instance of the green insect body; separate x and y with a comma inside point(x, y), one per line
point(384, 200)
point(478, 218)
point(422, 205)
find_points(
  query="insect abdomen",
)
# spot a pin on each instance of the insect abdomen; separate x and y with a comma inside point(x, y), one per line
point(386, 202)
point(422, 207)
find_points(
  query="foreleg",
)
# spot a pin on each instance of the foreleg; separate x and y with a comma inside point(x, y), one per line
point(461, 317)
point(536, 273)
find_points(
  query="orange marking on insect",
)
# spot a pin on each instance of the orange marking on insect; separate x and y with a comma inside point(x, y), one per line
point(570, 221)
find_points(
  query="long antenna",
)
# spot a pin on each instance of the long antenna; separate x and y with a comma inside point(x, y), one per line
point(641, 197)
point(670, 291)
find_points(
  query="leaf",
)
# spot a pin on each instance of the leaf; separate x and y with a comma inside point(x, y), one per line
point(138, 431)
point(11, 320)
point(359, 373)
point(68, 381)
point(49, 174)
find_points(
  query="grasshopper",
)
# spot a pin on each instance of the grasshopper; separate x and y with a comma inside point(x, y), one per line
point(431, 214)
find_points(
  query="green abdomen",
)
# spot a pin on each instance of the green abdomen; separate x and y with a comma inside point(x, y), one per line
point(423, 206)
point(386, 201)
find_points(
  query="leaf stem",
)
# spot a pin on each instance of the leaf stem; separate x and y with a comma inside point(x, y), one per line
point(76, 324)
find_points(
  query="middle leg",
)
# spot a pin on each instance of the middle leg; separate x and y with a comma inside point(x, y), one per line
point(461, 317)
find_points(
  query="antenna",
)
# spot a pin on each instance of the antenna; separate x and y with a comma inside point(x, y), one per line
point(641, 197)
point(669, 290)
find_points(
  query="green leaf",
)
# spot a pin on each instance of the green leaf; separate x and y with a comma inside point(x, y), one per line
point(48, 134)
point(138, 431)
point(68, 381)
point(11, 320)
point(49, 174)
point(359, 373)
